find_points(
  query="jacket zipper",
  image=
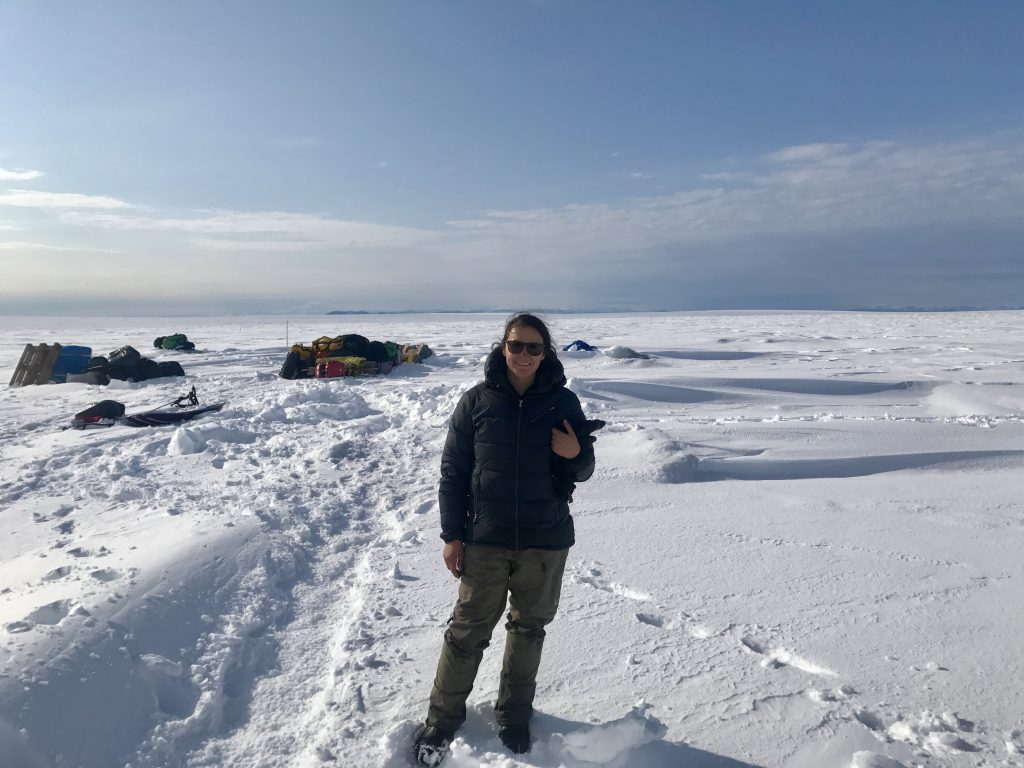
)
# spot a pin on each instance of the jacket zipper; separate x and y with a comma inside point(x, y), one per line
point(536, 418)
point(519, 425)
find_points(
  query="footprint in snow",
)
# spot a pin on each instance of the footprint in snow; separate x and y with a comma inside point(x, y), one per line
point(933, 732)
point(62, 511)
point(105, 574)
point(58, 573)
point(870, 720)
point(700, 631)
point(683, 620)
point(776, 658)
point(83, 552)
point(410, 538)
point(593, 577)
point(368, 661)
point(841, 693)
point(170, 685)
point(1014, 742)
point(49, 614)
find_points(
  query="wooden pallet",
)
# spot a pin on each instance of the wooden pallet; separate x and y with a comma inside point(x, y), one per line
point(36, 364)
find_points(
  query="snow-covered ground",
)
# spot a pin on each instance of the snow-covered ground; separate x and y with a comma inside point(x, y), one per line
point(802, 548)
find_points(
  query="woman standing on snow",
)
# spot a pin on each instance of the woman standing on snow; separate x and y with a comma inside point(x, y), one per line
point(517, 444)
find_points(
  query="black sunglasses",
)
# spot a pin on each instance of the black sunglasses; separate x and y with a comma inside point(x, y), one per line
point(535, 348)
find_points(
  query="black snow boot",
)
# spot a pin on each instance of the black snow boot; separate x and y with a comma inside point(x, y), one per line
point(431, 746)
point(515, 737)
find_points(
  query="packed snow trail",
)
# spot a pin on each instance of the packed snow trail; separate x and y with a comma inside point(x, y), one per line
point(338, 672)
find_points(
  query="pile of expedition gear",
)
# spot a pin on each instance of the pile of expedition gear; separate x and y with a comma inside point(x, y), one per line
point(126, 364)
point(57, 364)
point(349, 355)
point(176, 341)
point(107, 413)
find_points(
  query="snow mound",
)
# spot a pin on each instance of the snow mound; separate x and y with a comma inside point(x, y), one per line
point(184, 442)
point(579, 354)
point(874, 760)
point(658, 457)
point(313, 413)
point(988, 399)
point(188, 440)
point(624, 353)
point(605, 744)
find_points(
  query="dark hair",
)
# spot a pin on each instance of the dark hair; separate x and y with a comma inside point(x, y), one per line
point(531, 321)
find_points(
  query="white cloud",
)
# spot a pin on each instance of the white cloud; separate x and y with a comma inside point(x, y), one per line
point(805, 190)
point(29, 199)
point(17, 246)
point(264, 231)
point(639, 175)
point(806, 153)
point(799, 190)
point(272, 246)
point(8, 175)
point(803, 196)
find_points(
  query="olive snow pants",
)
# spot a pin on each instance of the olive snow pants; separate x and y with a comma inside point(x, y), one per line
point(531, 580)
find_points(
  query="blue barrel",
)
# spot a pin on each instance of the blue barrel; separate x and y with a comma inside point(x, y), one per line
point(71, 359)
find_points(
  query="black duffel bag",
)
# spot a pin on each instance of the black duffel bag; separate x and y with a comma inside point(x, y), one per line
point(377, 352)
point(124, 357)
point(123, 364)
point(147, 369)
point(169, 368)
point(354, 345)
point(104, 413)
point(290, 369)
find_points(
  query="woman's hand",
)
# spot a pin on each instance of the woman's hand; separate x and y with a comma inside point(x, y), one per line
point(453, 554)
point(565, 443)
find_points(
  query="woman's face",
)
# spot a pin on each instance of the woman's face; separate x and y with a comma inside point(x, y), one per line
point(523, 366)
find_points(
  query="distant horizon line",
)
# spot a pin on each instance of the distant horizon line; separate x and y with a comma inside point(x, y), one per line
point(509, 311)
point(594, 311)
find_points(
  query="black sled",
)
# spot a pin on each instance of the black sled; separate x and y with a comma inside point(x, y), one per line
point(110, 412)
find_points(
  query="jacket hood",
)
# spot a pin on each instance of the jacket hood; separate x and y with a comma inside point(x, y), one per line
point(550, 374)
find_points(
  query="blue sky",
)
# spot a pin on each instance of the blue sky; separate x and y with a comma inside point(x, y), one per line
point(258, 156)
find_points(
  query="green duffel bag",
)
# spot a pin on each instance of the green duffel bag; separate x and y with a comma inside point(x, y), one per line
point(174, 341)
